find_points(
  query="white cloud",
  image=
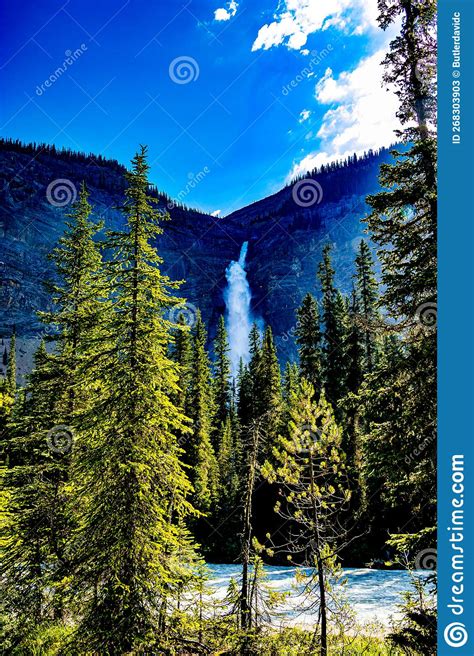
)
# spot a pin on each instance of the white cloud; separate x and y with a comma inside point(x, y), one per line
point(216, 213)
point(226, 13)
point(297, 19)
point(362, 115)
point(304, 115)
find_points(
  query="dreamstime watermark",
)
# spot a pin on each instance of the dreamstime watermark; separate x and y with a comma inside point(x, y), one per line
point(61, 192)
point(307, 192)
point(308, 71)
point(426, 316)
point(184, 69)
point(187, 312)
point(71, 57)
point(307, 436)
point(426, 559)
point(60, 439)
point(193, 181)
point(418, 451)
point(455, 634)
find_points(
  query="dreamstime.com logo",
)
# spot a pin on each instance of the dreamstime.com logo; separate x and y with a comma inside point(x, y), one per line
point(61, 192)
point(60, 439)
point(183, 70)
point(455, 634)
point(307, 192)
point(188, 313)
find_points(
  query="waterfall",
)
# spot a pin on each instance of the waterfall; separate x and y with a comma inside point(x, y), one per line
point(237, 299)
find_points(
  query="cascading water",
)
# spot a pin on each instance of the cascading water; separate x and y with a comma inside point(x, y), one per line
point(237, 299)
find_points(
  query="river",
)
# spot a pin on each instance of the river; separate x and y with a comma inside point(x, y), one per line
point(374, 595)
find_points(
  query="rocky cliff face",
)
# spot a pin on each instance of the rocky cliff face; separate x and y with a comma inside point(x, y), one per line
point(285, 235)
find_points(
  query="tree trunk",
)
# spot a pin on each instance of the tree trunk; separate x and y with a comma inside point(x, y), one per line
point(245, 610)
point(319, 563)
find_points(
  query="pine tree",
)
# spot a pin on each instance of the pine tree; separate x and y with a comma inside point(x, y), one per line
point(255, 349)
point(10, 380)
point(41, 434)
point(33, 545)
point(356, 345)
point(309, 467)
point(267, 391)
point(222, 373)
point(7, 399)
point(365, 305)
point(131, 488)
point(291, 380)
point(182, 355)
point(245, 395)
point(227, 460)
point(334, 352)
point(308, 338)
point(202, 458)
point(403, 224)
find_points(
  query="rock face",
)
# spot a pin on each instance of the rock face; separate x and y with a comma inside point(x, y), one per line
point(286, 234)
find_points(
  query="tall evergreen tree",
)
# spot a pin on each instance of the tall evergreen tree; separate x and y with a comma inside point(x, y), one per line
point(334, 351)
point(41, 433)
point(403, 223)
point(131, 488)
point(34, 534)
point(10, 379)
point(267, 391)
point(366, 301)
point(202, 457)
point(309, 468)
point(222, 373)
point(308, 338)
point(182, 355)
point(355, 345)
point(78, 301)
point(245, 395)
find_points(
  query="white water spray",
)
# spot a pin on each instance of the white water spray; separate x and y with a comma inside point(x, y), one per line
point(237, 299)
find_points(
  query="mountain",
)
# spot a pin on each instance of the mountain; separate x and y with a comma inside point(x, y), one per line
point(285, 231)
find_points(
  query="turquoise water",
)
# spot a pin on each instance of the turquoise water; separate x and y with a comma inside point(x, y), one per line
point(373, 595)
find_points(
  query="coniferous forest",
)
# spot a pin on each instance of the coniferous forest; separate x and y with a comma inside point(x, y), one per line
point(132, 456)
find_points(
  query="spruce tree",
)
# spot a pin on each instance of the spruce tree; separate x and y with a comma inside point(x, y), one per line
point(222, 373)
point(33, 544)
point(202, 457)
point(10, 379)
point(182, 355)
point(403, 224)
point(267, 391)
point(131, 488)
point(8, 390)
point(334, 344)
point(356, 345)
point(308, 338)
point(255, 349)
point(364, 307)
point(245, 395)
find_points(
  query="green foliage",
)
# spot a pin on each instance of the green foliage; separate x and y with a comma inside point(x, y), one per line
point(34, 521)
point(416, 632)
point(10, 380)
point(364, 305)
point(98, 556)
point(130, 486)
point(201, 454)
point(222, 378)
point(400, 400)
point(335, 326)
point(308, 338)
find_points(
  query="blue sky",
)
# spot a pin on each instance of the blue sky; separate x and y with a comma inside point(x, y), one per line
point(247, 92)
